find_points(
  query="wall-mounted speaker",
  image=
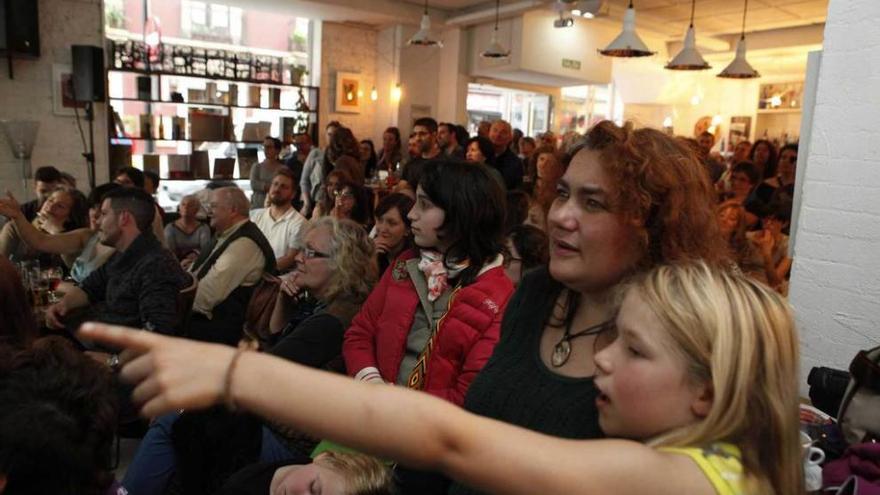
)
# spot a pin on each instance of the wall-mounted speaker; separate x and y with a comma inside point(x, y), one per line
point(20, 28)
point(88, 73)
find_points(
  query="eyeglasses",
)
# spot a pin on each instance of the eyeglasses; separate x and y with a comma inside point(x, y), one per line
point(343, 194)
point(309, 253)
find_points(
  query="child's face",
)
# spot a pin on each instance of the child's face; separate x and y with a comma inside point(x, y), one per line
point(311, 479)
point(645, 390)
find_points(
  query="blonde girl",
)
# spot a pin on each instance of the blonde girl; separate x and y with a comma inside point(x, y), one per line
point(700, 380)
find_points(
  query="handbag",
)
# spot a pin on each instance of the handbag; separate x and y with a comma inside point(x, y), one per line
point(859, 415)
point(260, 307)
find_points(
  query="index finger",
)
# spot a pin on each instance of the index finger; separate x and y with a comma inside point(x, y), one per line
point(122, 337)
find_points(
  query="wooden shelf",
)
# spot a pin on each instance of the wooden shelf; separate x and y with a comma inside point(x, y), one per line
point(219, 105)
point(213, 78)
point(778, 110)
point(182, 140)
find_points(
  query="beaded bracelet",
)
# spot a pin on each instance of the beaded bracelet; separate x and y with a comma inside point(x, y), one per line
point(227, 384)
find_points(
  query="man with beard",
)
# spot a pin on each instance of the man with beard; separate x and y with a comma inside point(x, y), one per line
point(280, 222)
point(425, 134)
point(138, 285)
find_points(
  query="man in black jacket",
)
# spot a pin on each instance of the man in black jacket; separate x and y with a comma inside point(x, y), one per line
point(138, 285)
point(505, 161)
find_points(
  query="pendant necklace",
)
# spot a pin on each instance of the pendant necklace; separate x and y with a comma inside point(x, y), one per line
point(562, 349)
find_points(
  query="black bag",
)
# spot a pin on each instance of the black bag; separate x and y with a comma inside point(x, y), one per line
point(859, 416)
point(827, 386)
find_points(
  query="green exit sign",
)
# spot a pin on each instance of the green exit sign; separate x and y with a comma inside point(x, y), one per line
point(568, 63)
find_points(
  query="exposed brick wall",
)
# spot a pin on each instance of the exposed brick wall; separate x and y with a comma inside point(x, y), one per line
point(835, 284)
point(29, 95)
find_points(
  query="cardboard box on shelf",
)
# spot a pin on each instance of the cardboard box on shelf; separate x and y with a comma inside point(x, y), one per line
point(199, 165)
point(224, 168)
point(208, 126)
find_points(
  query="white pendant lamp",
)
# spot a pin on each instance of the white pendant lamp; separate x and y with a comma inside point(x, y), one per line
point(740, 68)
point(627, 43)
point(495, 50)
point(423, 35)
point(689, 57)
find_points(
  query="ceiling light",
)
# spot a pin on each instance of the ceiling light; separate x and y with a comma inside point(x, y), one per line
point(374, 95)
point(495, 50)
point(423, 35)
point(740, 68)
point(689, 57)
point(586, 8)
point(563, 22)
point(627, 43)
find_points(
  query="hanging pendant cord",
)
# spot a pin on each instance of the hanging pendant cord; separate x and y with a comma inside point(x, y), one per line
point(693, 6)
point(745, 9)
point(426, 7)
point(497, 9)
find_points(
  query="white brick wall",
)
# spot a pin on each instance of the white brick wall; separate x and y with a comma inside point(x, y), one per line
point(29, 95)
point(835, 284)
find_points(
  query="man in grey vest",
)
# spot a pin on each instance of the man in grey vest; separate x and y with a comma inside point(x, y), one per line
point(229, 270)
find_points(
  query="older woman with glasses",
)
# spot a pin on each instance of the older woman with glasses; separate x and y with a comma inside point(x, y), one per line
point(335, 272)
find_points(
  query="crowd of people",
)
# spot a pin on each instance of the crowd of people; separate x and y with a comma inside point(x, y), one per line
point(612, 301)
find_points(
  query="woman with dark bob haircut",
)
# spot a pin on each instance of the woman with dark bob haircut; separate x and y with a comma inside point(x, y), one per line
point(392, 234)
point(629, 200)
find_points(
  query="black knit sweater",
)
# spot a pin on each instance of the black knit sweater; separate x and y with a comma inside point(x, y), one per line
point(516, 387)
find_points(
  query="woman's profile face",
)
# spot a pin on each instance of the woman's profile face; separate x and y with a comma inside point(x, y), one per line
point(426, 218)
point(314, 272)
point(474, 154)
point(591, 246)
point(391, 228)
point(58, 206)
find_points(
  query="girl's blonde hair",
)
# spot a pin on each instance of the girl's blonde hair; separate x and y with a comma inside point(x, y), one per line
point(739, 336)
point(364, 475)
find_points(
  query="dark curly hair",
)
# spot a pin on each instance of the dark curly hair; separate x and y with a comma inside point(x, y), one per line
point(660, 183)
point(57, 420)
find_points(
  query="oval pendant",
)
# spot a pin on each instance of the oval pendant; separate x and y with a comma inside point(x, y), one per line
point(561, 352)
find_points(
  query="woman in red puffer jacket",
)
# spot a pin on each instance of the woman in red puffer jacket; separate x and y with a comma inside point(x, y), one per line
point(433, 320)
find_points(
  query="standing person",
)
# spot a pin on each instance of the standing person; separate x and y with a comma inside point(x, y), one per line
point(780, 187)
point(506, 161)
point(483, 128)
point(447, 139)
point(46, 180)
point(526, 148)
point(344, 154)
point(187, 237)
point(302, 144)
point(312, 174)
point(390, 156)
point(629, 200)
point(262, 173)
point(481, 151)
point(368, 157)
point(280, 222)
point(424, 137)
point(712, 161)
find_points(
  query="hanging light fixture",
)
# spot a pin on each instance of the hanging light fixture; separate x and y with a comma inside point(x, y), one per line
point(374, 95)
point(627, 43)
point(740, 68)
point(689, 57)
point(495, 50)
point(423, 35)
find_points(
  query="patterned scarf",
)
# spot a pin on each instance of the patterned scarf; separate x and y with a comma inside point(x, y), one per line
point(437, 274)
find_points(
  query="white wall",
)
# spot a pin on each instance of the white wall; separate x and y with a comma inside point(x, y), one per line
point(29, 96)
point(835, 283)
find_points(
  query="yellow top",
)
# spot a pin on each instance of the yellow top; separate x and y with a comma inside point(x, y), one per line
point(720, 462)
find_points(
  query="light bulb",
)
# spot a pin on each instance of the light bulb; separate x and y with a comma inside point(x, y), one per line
point(374, 95)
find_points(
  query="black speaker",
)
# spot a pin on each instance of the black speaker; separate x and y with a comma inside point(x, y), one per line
point(20, 29)
point(88, 73)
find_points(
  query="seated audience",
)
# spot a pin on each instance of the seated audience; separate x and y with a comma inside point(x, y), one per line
point(505, 161)
point(280, 222)
point(480, 151)
point(17, 325)
point(335, 269)
point(390, 156)
point(138, 285)
point(447, 296)
point(227, 273)
point(368, 157)
point(187, 236)
point(526, 248)
point(392, 234)
point(327, 195)
point(692, 395)
point(65, 210)
point(263, 172)
point(763, 155)
point(780, 187)
point(334, 473)
point(80, 249)
point(46, 180)
point(768, 260)
point(56, 423)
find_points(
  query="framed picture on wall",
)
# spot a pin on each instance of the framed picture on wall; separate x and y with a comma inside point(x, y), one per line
point(740, 129)
point(348, 92)
point(63, 102)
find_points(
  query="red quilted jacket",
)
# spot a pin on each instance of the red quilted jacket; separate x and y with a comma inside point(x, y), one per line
point(466, 336)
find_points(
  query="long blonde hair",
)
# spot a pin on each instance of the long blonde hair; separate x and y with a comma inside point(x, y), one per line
point(739, 336)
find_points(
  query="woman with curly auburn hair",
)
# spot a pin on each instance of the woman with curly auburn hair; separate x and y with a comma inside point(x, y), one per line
point(335, 271)
point(630, 199)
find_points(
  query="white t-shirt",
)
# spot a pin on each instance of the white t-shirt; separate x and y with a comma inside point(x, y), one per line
point(282, 232)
